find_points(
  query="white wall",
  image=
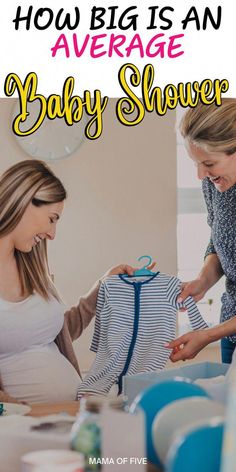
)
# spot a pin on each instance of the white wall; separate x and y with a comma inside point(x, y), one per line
point(122, 202)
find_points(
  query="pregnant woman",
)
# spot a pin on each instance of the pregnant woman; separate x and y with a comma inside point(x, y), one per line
point(37, 361)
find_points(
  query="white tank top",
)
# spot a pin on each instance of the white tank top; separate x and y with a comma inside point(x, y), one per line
point(31, 366)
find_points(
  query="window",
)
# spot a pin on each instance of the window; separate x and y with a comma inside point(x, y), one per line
point(193, 233)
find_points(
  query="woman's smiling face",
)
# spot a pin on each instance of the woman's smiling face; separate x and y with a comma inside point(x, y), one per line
point(219, 167)
point(37, 224)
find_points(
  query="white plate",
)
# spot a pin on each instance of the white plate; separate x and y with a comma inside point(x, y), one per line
point(15, 409)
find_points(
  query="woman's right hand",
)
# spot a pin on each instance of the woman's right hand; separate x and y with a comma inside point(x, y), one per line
point(6, 398)
point(195, 288)
point(189, 345)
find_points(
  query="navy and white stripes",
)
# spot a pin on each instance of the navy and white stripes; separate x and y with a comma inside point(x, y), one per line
point(134, 319)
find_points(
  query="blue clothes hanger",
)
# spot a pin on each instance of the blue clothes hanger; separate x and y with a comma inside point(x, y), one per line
point(143, 270)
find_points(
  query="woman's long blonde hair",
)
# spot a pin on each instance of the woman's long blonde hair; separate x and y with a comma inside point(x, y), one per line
point(30, 181)
point(211, 127)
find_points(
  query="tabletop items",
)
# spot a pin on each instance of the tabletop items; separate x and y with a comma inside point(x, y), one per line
point(109, 436)
point(176, 411)
point(19, 435)
point(155, 398)
point(172, 426)
point(86, 432)
point(177, 415)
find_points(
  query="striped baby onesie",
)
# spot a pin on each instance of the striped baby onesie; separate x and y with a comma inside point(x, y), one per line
point(135, 317)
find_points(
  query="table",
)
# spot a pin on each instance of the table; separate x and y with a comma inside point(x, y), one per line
point(43, 409)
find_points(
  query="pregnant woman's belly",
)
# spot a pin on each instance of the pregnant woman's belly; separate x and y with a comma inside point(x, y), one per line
point(39, 374)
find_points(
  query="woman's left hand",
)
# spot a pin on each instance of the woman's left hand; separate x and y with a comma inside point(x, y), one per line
point(120, 269)
point(124, 269)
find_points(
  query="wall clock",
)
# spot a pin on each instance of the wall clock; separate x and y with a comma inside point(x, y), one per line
point(54, 139)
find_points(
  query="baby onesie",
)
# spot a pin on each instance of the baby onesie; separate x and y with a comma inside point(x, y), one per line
point(135, 317)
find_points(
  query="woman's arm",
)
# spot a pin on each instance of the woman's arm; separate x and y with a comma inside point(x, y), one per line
point(190, 344)
point(209, 275)
point(211, 271)
point(79, 317)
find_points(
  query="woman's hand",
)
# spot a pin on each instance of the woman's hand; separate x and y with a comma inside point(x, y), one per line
point(5, 398)
point(188, 345)
point(124, 269)
point(120, 269)
point(195, 288)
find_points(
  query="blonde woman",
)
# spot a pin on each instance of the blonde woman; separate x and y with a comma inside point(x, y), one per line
point(37, 361)
point(210, 138)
